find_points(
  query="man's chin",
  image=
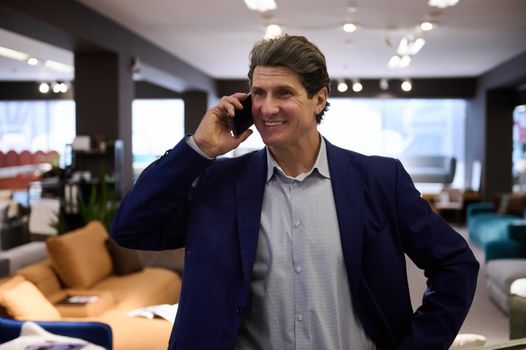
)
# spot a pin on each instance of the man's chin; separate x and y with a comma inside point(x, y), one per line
point(271, 141)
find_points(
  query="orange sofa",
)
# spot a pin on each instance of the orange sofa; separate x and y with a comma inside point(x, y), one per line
point(82, 263)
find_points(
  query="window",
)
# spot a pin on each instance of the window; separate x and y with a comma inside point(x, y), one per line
point(519, 148)
point(37, 125)
point(157, 125)
point(394, 128)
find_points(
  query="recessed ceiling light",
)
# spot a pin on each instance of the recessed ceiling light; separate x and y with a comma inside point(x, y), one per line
point(43, 88)
point(349, 27)
point(342, 86)
point(272, 31)
point(442, 3)
point(261, 5)
point(56, 87)
point(426, 26)
point(357, 86)
point(63, 87)
point(406, 85)
point(32, 61)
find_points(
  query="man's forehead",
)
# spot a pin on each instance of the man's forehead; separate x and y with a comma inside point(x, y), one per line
point(274, 77)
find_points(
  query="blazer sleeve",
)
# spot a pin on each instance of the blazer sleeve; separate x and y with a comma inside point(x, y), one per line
point(448, 264)
point(152, 215)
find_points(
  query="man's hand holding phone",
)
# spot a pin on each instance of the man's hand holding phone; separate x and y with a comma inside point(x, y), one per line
point(214, 135)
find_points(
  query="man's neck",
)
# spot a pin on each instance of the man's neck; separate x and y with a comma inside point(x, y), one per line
point(296, 160)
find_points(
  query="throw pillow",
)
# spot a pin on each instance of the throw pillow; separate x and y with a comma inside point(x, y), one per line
point(124, 260)
point(468, 341)
point(24, 301)
point(5, 285)
point(80, 257)
point(516, 203)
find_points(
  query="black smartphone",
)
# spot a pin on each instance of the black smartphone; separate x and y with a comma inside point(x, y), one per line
point(243, 118)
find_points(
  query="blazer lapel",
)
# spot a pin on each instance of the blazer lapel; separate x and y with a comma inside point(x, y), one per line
point(348, 191)
point(249, 201)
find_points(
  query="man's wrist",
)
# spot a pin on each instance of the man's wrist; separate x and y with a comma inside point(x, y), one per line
point(191, 142)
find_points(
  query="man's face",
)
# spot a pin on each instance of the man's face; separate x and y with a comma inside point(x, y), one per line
point(283, 113)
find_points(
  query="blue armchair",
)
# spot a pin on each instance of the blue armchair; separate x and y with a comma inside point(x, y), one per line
point(511, 247)
point(502, 236)
point(95, 332)
point(485, 224)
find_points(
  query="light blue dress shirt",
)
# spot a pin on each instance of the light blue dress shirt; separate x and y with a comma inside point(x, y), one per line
point(299, 293)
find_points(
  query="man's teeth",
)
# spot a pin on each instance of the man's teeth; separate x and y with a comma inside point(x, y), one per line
point(273, 123)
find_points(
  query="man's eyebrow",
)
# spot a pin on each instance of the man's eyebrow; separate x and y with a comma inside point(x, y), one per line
point(276, 87)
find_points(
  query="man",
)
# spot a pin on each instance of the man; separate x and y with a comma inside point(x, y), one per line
point(299, 245)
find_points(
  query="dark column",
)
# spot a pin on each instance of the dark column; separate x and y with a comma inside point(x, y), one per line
point(195, 106)
point(103, 95)
point(496, 174)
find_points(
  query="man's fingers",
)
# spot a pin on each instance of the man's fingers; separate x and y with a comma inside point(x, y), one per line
point(229, 104)
point(245, 135)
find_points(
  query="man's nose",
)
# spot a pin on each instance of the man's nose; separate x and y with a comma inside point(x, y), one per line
point(269, 106)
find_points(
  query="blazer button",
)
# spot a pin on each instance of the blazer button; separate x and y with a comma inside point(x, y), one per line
point(240, 310)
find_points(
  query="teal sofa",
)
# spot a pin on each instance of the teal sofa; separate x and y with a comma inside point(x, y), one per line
point(501, 236)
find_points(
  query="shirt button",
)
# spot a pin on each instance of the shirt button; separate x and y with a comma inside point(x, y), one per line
point(297, 223)
point(298, 268)
point(295, 184)
point(299, 317)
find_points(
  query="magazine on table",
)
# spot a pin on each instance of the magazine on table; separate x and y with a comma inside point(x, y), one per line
point(166, 311)
point(79, 300)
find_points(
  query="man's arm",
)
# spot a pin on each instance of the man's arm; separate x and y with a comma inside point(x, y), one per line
point(448, 263)
point(152, 216)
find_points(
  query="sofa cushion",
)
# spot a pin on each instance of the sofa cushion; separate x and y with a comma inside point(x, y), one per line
point(133, 290)
point(80, 257)
point(124, 260)
point(23, 301)
point(42, 276)
point(154, 333)
point(500, 274)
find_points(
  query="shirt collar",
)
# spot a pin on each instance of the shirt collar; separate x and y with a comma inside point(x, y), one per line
point(321, 164)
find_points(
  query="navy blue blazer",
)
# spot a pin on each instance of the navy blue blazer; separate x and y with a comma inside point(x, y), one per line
point(213, 208)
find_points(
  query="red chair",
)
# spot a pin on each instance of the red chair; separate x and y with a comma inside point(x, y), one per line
point(25, 157)
point(11, 158)
point(40, 157)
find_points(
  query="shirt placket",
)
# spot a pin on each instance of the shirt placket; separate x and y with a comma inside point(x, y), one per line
point(301, 315)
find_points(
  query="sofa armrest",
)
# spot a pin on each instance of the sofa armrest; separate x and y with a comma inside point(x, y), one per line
point(94, 332)
point(517, 231)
